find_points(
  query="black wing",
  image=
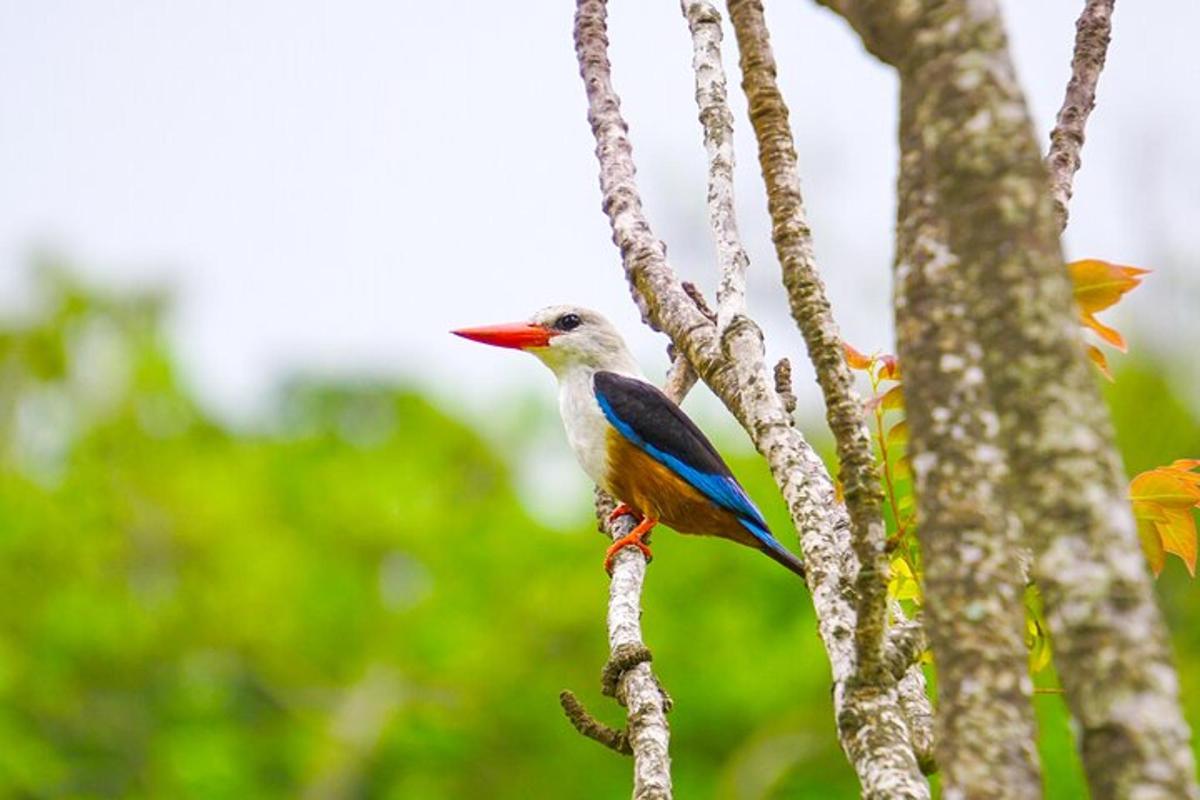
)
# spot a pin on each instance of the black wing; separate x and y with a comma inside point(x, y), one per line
point(651, 420)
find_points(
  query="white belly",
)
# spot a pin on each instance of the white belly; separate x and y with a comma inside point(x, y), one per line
point(587, 429)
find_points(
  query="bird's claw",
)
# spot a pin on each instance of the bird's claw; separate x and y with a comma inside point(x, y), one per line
point(620, 511)
point(633, 539)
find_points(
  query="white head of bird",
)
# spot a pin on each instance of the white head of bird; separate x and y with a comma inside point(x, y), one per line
point(569, 340)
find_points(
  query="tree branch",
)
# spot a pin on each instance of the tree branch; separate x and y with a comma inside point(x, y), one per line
point(972, 140)
point(704, 22)
point(811, 311)
point(1093, 31)
point(871, 725)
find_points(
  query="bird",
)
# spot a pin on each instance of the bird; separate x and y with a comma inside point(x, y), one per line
point(631, 439)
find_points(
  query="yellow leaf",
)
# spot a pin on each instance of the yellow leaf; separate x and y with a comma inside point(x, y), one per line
point(902, 468)
point(891, 400)
point(898, 433)
point(1178, 535)
point(1164, 487)
point(903, 584)
point(1148, 510)
point(1156, 557)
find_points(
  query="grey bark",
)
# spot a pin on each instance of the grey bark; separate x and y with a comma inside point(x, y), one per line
point(972, 584)
point(811, 311)
point(871, 723)
point(974, 147)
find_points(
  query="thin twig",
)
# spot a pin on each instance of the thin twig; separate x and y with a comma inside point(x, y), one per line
point(591, 727)
point(1093, 31)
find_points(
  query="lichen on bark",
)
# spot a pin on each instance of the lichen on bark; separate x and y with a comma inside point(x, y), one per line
point(989, 190)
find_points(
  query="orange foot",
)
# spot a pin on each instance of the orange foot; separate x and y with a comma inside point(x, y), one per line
point(633, 539)
point(621, 511)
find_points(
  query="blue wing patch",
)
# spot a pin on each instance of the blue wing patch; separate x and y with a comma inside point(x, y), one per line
point(723, 490)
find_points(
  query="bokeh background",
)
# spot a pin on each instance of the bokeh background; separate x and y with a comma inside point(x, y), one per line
point(267, 531)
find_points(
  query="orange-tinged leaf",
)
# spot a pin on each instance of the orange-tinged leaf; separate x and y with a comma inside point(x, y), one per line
point(1110, 335)
point(1152, 546)
point(855, 359)
point(890, 368)
point(898, 434)
point(1100, 360)
point(1165, 488)
point(902, 468)
point(839, 493)
point(1099, 284)
point(1178, 535)
point(1185, 464)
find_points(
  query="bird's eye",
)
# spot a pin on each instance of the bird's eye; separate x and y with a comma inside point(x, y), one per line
point(568, 322)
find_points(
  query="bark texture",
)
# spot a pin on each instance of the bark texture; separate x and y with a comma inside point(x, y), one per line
point(871, 724)
point(628, 676)
point(1093, 31)
point(996, 226)
point(973, 586)
point(810, 309)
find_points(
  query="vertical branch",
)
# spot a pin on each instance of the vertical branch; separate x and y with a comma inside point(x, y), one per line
point(973, 587)
point(1093, 31)
point(628, 676)
point(704, 22)
point(1065, 479)
point(811, 311)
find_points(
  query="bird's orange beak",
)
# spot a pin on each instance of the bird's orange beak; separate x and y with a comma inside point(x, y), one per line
point(516, 335)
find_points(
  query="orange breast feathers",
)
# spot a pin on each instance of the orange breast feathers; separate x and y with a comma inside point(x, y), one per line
point(654, 490)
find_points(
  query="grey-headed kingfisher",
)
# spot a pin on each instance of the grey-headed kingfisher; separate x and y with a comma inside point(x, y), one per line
point(631, 439)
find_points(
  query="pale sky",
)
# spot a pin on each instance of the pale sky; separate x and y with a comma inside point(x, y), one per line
point(334, 186)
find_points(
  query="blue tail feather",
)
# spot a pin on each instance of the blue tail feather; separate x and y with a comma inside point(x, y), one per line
point(771, 546)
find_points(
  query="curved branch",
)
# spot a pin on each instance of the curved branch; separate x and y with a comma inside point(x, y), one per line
point(1093, 31)
point(871, 724)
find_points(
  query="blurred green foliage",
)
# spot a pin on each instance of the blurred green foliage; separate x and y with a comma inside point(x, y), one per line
point(351, 601)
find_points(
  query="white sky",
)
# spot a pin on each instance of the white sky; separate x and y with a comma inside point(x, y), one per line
point(334, 186)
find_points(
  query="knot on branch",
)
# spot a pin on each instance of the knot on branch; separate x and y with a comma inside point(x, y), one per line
point(624, 658)
point(591, 727)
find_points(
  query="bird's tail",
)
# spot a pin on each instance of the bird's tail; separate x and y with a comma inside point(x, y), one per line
point(771, 546)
